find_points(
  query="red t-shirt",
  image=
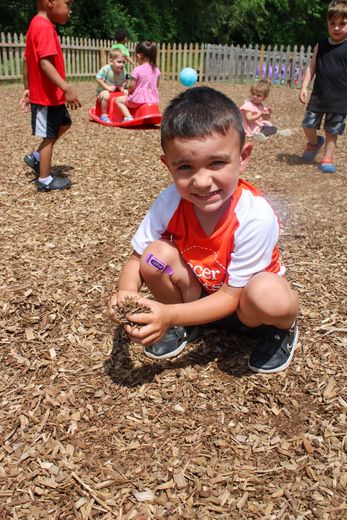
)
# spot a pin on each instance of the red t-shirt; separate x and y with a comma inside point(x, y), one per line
point(42, 41)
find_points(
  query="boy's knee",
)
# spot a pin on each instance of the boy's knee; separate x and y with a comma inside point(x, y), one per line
point(272, 291)
point(159, 255)
point(104, 95)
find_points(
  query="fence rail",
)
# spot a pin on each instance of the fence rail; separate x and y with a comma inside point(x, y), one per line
point(213, 63)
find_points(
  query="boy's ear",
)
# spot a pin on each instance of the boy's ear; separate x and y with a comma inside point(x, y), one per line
point(245, 155)
point(164, 160)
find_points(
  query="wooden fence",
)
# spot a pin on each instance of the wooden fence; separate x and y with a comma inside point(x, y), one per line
point(213, 63)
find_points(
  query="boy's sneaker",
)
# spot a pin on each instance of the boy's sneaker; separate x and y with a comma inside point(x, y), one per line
point(174, 341)
point(30, 160)
point(327, 165)
point(57, 183)
point(311, 150)
point(274, 350)
point(105, 118)
point(125, 119)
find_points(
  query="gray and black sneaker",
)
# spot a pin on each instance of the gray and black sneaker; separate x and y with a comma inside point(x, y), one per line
point(30, 160)
point(274, 349)
point(57, 183)
point(172, 344)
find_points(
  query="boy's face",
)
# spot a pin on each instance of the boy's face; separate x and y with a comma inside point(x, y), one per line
point(337, 28)
point(206, 171)
point(59, 11)
point(117, 63)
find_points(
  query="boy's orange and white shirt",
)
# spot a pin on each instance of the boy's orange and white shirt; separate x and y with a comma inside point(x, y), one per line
point(243, 245)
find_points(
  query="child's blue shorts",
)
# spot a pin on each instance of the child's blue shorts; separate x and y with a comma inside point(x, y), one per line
point(46, 121)
point(333, 123)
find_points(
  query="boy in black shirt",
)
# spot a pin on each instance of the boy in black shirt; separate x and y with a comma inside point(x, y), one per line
point(329, 64)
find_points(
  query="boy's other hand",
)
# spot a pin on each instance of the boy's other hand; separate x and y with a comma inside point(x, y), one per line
point(303, 95)
point(25, 101)
point(71, 98)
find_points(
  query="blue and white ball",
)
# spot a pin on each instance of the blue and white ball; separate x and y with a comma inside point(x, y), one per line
point(188, 77)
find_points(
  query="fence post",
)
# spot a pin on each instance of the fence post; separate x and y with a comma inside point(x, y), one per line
point(103, 57)
point(261, 62)
point(201, 72)
point(294, 58)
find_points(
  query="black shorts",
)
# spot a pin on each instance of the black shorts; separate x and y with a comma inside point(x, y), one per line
point(46, 121)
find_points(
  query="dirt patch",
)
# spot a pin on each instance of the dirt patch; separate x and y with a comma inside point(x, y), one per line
point(88, 435)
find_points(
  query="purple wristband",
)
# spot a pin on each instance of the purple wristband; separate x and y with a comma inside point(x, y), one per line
point(158, 264)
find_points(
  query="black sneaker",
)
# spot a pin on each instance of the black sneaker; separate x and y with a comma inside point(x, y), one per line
point(172, 343)
point(57, 183)
point(32, 163)
point(274, 350)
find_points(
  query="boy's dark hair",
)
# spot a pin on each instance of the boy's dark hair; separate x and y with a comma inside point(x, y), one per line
point(198, 112)
point(120, 35)
point(148, 49)
point(337, 9)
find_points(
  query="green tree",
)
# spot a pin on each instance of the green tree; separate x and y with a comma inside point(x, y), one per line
point(268, 22)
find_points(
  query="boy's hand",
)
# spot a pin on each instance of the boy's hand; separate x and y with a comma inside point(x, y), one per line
point(117, 300)
point(152, 325)
point(25, 101)
point(71, 98)
point(111, 88)
point(303, 95)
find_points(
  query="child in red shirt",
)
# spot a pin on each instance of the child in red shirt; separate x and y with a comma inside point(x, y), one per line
point(46, 89)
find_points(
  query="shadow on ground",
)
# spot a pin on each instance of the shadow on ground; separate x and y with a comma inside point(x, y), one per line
point(210, 347)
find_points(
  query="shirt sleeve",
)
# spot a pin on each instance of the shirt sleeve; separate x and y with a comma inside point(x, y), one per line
point(102, 74)
point(134, 73)
point(255, 248)
point(46, 43)
point(156, 219)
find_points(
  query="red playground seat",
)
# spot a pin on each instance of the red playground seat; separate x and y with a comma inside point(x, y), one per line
point(144, 115)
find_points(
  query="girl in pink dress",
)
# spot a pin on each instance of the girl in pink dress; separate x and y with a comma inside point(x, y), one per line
point(144, 81)
point(256, 115)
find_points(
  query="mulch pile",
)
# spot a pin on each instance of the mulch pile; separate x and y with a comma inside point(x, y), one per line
point(89, 427)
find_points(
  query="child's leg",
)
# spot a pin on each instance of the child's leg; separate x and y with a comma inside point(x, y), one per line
point(181, 286)
point(175, 285)
point(268, 299)
point(121, 100)
point(268, 130)
point(46, 152)
point(311, 123)
point(330, 145)
point(311, 135)
point(104, 97)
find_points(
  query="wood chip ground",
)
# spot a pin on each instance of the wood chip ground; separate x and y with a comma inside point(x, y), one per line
point(90, 428)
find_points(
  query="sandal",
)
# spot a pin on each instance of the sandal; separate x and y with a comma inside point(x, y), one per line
point(311, 150)
point(327, 165)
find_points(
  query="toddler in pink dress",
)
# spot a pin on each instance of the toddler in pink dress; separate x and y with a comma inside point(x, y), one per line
point(144, 82)
point(256, 115)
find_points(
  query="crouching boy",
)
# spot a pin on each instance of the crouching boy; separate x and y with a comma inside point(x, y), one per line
point(207, 248)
